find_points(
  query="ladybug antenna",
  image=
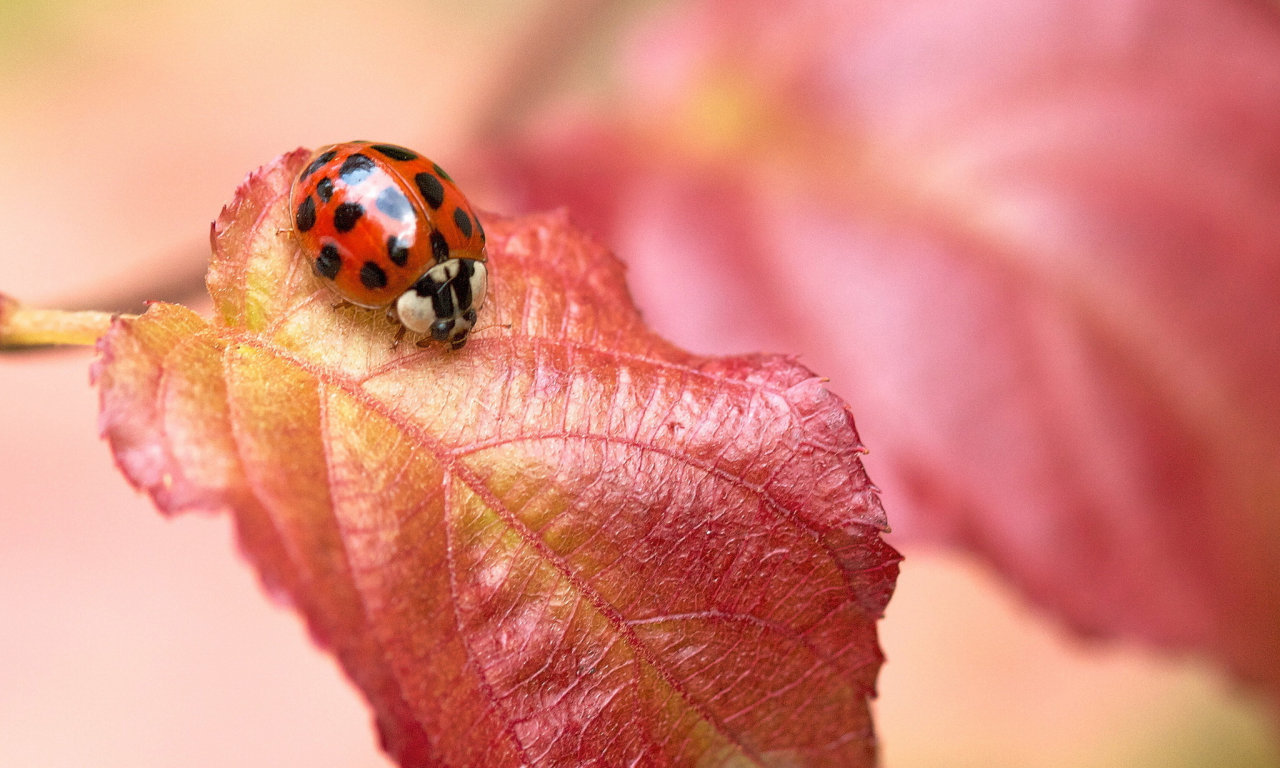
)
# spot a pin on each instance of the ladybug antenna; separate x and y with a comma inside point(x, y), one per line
point(480, 328)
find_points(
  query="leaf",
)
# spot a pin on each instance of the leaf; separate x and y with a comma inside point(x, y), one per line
point(569, 543)
point(1036, 244)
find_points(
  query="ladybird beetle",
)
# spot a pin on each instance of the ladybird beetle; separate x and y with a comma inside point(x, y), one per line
point(387, 228)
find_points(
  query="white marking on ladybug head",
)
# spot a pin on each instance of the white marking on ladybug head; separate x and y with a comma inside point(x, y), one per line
point(479, 284)
point(415, 311)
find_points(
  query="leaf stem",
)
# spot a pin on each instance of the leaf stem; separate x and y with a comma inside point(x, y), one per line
point(23, 327)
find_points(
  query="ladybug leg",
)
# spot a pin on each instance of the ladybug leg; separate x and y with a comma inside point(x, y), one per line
point(344, 304)
point(399, 337)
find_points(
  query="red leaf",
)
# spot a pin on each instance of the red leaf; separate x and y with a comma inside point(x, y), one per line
point(569, 543)
point(1037, 244)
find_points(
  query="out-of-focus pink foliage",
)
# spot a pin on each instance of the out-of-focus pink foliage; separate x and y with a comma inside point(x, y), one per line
point(1036, 243)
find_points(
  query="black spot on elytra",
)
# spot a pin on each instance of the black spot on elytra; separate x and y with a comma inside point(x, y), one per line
point(397, 252)
point(439, 246)
point(394, 152)
point(346, 215)
point(392, 202)
point(431, 188)
point(329, 262)
point(480, 229)
point(463, 221)
point(441, 172)
point(355, 169)
point(305, 218)
point(373, 276)
point(317, 164)
point(324, 189)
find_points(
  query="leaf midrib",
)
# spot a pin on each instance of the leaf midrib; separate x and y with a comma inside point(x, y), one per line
point(450, 460)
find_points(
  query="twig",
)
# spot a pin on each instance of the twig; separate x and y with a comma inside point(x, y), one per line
point(23, 328)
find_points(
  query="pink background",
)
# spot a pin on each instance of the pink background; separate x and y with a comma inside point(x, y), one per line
point(126, 639)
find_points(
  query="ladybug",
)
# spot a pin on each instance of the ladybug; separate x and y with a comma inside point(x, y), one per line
point(386, 228)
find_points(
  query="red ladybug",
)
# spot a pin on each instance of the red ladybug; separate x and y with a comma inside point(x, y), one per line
point(387, 228)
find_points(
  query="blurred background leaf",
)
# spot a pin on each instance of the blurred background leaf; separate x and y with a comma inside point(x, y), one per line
point(1037, 245)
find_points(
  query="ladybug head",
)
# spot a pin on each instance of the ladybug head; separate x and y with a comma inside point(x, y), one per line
point(444, 301)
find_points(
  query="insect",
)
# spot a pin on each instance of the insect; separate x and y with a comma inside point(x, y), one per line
point(386, 228)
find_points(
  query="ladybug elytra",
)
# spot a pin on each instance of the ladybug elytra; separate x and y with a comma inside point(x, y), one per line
point(385, 227)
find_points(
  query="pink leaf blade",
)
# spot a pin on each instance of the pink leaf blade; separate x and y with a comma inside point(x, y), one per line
point(569, 543)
